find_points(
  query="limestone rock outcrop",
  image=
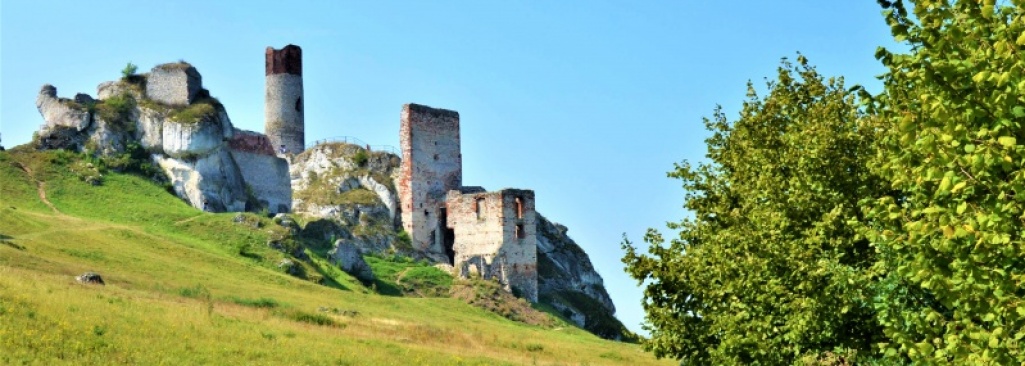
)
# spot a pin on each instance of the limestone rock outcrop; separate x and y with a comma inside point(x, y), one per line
point(187, 133)
point(59, 112)
point(347, 192)
point(211, 182)
point(568, 282)
point(194, 138)
point(108, 89)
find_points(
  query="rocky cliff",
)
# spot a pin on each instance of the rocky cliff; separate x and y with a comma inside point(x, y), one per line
point(568, 282)
point(348, 193)
point(185, 132)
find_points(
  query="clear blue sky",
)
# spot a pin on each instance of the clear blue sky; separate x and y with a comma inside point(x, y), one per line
point(587, 103)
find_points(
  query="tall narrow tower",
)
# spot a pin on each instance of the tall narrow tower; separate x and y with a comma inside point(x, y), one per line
point(431, 166)
point(283, 114)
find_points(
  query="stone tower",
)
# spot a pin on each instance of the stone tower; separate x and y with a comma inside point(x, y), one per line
point(432, 165)
point(283, 114)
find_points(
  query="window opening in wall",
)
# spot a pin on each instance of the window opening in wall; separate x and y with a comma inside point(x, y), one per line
point(520, 233)
point(426, 213)
point(435, 156)
point(519, 208)
point(299, 104)
point(434, 236)
point(478, 207)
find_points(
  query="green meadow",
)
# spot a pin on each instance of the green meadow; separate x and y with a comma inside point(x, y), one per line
point(187, 287)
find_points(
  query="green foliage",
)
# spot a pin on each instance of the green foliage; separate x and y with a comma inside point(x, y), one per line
point(768, 270)
point(129, 71)
point(117, 111)
point(263, 302)
point(307, 317)
point(535, 347)
point(195, 292)
point(951, 240)
point(403, 241)
point(360, 158)
point(399, 275)
point(134, 160)
point(198, 111)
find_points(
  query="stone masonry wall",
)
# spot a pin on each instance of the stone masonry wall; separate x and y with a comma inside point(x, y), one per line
point(432, 165)
point(495, 235)
point(284, 120)
point(174, 84)
point(267, 176)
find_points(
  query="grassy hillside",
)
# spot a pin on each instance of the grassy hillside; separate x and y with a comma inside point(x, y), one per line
point(186, 287)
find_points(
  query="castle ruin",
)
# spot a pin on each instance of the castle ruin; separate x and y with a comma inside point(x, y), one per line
point(283, 108)
point(216, 167)
point(491, 234)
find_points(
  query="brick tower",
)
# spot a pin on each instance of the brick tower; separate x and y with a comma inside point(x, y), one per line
point(431, 166)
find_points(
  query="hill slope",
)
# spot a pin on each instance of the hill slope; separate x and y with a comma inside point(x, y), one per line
point(186, 287)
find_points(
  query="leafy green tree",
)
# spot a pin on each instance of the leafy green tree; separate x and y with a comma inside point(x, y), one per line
point(770, 269)
point(952, 122)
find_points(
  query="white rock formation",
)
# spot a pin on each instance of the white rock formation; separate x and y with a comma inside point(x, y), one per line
point(58, 113)
point(212, 182)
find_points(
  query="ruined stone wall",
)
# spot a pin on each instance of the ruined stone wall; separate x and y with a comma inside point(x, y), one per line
point(173, 84)
point(284, 101)
point(495, 235)
point(431, 166)
point(267, 176)
point(263, 172)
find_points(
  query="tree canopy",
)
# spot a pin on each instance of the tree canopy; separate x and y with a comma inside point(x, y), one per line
point(830, 225)
point(768, 271)
point(952, 115)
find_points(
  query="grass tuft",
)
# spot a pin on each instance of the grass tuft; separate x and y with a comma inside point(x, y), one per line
point(310, 318)
point(263, 302)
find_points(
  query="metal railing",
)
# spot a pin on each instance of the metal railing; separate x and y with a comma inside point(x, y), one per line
point(355, 141)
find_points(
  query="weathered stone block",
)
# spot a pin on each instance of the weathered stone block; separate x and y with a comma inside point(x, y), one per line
point(267, 176)
point(174, 84)
point(348, 258)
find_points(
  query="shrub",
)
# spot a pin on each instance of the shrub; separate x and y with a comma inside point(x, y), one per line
point(194, 113)
point(360, 158)
point(195, 292)
point(263, 302)
point(311, 318)
point(117, 111)
point(129, 71)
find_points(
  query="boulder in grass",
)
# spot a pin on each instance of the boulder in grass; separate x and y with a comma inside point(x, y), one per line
point(348, 258)
point(92, 278)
